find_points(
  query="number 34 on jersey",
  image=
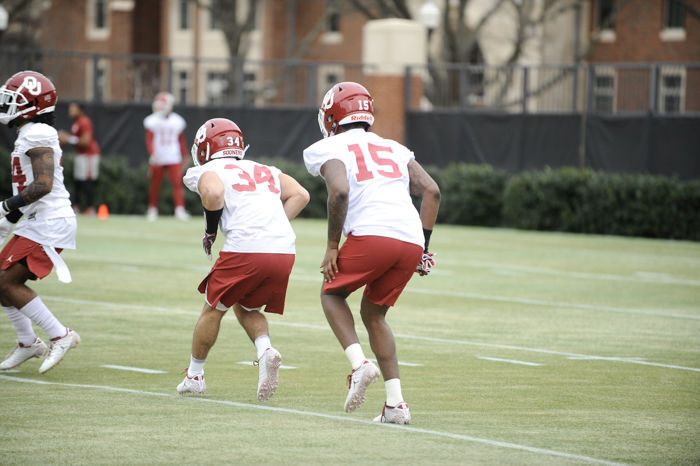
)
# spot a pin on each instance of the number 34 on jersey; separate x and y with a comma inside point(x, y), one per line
point(260, 178)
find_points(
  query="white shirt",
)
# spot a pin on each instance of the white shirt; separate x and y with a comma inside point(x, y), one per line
point(377, 170)
point(253, 219)
point(166, 138)
point(40, 222)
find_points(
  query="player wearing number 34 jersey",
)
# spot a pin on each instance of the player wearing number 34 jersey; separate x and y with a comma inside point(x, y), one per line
point(252, 205)
point(369, 181)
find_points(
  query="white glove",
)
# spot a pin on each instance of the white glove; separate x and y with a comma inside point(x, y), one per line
point(6, 228)
point(427, 262)
point(3, 211)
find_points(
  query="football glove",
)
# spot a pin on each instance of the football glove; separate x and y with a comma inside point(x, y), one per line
point(427, 262)
point(207, 242)
point(5, 229)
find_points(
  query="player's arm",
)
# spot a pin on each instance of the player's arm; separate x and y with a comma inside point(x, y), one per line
point(333, 172)
point(211, 190)
point(149, 142)
point(42, 168)
point(422, 185)
point(294, 196)
point(183, 150)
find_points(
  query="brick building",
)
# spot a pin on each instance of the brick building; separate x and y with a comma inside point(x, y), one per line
point(660, 43)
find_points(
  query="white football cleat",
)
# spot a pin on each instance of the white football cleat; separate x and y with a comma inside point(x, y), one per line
point(268, 373)
point(181, 214)
point(21, 353)
point(152, 214)
point(358, 381)
point(195, 385)
point(59, 348)
point(396, 415)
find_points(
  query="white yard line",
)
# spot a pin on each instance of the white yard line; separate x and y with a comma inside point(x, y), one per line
point(168, 310)
point(133, 369)
point(511, 361)
point(236, 404)
point(403, 363)
point(250, 363)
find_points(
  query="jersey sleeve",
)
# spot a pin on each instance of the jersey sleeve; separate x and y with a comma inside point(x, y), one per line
point(148, 123)
point(319, 153)
point(191, 178)
point(181, 123)
point(41, 135)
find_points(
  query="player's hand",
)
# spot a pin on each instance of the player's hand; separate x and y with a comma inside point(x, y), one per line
point(5, 229)
point(427, 262)
point(207, 242)
point(329, 266)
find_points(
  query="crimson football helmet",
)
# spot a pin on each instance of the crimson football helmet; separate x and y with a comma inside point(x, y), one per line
point(163, 104)
point(344, 103)
point(25, 95)
point(218, 138)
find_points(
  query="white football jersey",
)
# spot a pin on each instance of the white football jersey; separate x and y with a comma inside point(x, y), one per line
point(253, 219)
point(56, 204)
point(166, 138)
point(377, 170)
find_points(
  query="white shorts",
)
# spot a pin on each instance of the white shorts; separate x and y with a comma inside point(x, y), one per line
point(86, 167)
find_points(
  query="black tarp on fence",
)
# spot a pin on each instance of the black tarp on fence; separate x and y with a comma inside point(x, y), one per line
point(631, 144)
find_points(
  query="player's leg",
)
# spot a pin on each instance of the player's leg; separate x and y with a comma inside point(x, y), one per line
point(269, 359)
point(28, 344)
point(156, 176)
point(205, 333)
point(17, 294)
point(340, 318)
point(175, 175)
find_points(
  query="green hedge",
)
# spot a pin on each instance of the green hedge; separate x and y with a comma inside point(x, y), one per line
point(566, 199)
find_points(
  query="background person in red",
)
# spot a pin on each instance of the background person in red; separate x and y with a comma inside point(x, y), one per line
point(86, 168)
point(165, 141)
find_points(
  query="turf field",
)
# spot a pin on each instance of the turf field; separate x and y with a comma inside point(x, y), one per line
point(521, 348)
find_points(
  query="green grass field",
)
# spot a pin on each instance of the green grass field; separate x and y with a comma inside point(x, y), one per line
point(521, 348)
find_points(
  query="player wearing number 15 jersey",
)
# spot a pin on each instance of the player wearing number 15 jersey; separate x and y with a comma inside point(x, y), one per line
point(369, 181)
point(28, 102)
point(252, 205)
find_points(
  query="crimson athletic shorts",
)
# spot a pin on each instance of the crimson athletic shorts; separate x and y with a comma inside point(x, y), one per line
point(25, 251)
point(252, 280)
point(384, 264)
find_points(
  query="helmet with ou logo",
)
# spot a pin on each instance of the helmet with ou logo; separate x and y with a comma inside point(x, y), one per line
point(344, 103)
point(25, 95)
point(163, 103)
point(218, 138)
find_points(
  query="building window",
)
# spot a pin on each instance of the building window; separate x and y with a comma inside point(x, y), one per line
point(674, 14)
point(332, 35)
point(184, 15)
point(672, 91)
point(250, 86)
point(217, 86)
point(328, 76)
point(97, 20)
point(97, 73)
point(603, 92)
point(606, 8)
point(182, 87)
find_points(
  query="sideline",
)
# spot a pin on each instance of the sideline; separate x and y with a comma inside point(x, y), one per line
point(236, 404)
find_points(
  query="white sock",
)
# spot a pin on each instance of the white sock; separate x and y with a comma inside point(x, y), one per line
point(393, 392)
point(355, 355)
point(196, 367)
point(22, 325)
point(40, 315)
point(262, 343)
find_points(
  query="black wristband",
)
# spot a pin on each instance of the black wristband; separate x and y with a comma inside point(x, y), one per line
point(14, 203)
point(426, 234)
point(14, 216)
point(212, 217)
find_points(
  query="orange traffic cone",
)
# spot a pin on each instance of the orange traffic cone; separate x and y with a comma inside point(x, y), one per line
point(103, 212)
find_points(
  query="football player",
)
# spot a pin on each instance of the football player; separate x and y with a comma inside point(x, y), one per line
point(28, 102)
point(167, 149)
point(370, 181)
point(252, 205)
